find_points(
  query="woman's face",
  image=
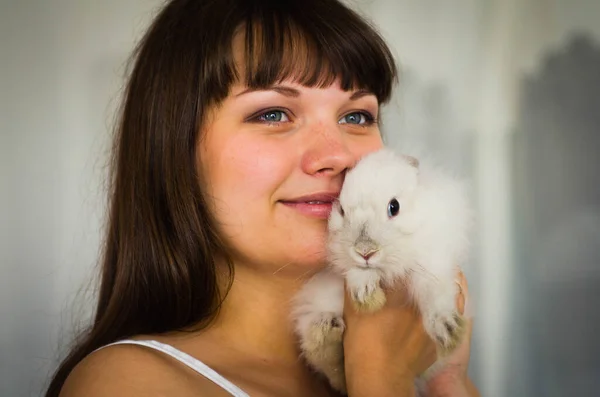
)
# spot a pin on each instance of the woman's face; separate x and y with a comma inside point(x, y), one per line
point(273, 160)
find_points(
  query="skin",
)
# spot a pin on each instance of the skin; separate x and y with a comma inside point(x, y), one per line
point(252, 166)
point(397, 331)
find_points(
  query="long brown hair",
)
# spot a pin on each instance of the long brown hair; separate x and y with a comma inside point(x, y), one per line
point(158, 263)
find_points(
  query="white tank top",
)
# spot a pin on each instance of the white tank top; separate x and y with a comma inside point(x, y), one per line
point(188, 360)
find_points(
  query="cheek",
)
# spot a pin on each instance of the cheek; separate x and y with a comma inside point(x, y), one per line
point(242, 170)
point(362, 146)
point(243, 175)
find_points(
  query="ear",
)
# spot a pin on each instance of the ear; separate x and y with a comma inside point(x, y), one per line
point(411, 160)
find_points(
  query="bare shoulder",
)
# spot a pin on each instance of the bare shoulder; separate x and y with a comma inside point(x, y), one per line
point(130, 370)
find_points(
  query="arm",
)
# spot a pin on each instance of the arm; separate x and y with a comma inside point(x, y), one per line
point(463, 388)
point(363, 386)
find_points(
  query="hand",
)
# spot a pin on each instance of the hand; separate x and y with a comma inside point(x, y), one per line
point(385, 351)
point(452, 380)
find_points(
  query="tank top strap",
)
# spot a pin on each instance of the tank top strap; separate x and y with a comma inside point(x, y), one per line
point(187, 360)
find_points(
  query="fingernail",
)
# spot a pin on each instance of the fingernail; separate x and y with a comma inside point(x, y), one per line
point(468, 307)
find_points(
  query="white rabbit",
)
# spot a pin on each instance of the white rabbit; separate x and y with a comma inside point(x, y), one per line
point(395, 220)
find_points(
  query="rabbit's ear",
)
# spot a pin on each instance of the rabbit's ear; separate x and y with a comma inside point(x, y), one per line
point(411, 160)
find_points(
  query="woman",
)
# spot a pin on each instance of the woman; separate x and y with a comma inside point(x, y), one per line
point(239, 121)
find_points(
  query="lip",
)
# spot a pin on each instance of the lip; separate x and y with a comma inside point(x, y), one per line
point(317, 205)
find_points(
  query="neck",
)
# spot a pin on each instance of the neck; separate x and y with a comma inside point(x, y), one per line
point(255, 316)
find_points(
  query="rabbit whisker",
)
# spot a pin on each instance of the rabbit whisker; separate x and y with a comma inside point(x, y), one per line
point(304, 274)
point(423, 271)
point(282, 267)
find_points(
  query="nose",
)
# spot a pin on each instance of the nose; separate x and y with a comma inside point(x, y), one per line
point(327, 151)
point(366, 254)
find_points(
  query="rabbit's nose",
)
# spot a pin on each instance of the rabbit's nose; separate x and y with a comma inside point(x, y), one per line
point(366, 255)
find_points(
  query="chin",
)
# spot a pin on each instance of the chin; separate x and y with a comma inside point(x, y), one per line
point(307, 260)
point(319, 262)
point(302, 247)
point(311, 256)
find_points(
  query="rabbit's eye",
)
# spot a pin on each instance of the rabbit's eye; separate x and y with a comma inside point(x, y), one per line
point(342, 213)
point(393, 208)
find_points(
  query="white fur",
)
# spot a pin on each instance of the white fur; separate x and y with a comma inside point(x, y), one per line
point(322, 296)
point(422, 246)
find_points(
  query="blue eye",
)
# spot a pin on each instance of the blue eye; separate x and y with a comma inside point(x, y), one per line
point(393, 208)
point(273, 116)
point(358, 118)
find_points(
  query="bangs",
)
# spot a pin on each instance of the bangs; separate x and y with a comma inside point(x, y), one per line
point(281, 40)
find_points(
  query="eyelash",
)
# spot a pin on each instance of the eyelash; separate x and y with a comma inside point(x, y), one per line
point(369, 119)
point(255, 117)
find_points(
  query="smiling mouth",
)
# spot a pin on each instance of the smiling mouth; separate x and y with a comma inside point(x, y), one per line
point(315, 206)
point(313, 209)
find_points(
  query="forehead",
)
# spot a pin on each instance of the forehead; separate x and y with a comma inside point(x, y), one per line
point(295, 58)
point(293, 70)
point(291, 88)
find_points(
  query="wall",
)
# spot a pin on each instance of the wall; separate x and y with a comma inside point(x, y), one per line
point(477, 90)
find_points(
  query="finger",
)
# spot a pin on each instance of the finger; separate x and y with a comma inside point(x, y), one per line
point(459, 358)
point(397, 294)
point(463, 282)
point(468, 306)
point(462, 303)
point(464, 292)
point(463, 350)
point(462, 297)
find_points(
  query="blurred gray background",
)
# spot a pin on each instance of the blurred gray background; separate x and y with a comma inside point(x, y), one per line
point(505, 92)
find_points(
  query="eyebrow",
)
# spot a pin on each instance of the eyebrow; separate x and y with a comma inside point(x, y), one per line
point(287, 91)
point(294, 93)
point(359, 94)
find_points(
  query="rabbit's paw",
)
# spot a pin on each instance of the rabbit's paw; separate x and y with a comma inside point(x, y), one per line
point(327, 329)
point(369, 301)
point(324, 351)
point(365, 291)
point(447, 330)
